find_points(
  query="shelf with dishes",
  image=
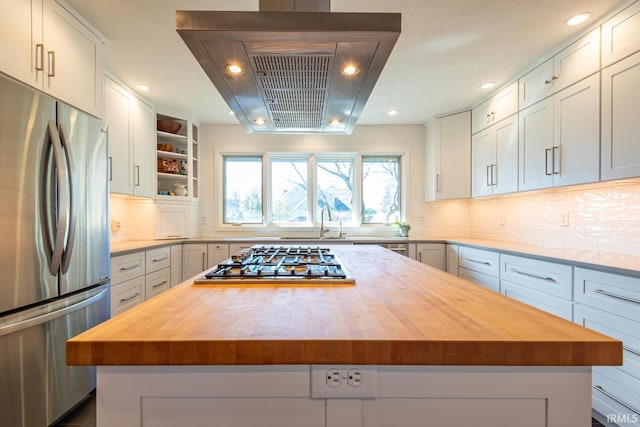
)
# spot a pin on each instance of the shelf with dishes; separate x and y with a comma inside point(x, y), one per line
point(177, 164)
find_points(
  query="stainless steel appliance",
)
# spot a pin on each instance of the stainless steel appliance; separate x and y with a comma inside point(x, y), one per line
point(279, 264)
point(54, 253)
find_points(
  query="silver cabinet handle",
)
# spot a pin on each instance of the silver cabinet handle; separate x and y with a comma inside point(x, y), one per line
point(204, 265)
point(137, 168)
point(612, 397)
point(546, 161)
point(137, 294)
point(551, 80)
point(553, 160)
point(110, 168)
point(476, 261)
point(616, 296)
point(129, 268)
point(51, 56)
point(164, 258)
point(493, 174)
point(488, 176)
point(535, 276)
point(164, 282)
point(39, 57)
point(625, 348)
point(437, 183)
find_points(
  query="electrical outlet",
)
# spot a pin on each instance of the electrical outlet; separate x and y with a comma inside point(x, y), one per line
point(564, 222)
point(344, 381)
point(502, 220)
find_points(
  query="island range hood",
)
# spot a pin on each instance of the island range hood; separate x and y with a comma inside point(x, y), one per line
point(294, 66)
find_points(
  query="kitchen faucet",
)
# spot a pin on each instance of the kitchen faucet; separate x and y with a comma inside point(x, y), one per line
point(322, 229)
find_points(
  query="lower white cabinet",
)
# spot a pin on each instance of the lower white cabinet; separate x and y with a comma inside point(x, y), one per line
point(176, 264)
point(158, 259)
point(127, 294)
point(157, 282)
point(433, 254)
point(482, 279)
point(452, 259)
point(216, 253)
point(194, 259)
point(480, 266)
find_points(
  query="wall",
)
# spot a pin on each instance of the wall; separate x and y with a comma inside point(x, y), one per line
point(217, 139)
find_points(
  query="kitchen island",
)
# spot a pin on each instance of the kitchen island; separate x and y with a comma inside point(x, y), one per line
point(406, 345)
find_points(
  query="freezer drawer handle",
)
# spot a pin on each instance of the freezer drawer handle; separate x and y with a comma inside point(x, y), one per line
point(615, 399)
point(137, 294)
point(535, 276)
point(38, 320)
point(616, 296)
point(132, 267)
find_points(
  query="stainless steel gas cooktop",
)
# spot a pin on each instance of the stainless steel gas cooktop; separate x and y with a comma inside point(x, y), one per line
point(279, 264)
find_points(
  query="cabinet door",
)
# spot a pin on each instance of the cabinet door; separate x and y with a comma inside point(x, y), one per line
point(577, 61)
point(172, 220)
point(483, 162)
point(143, 135)
point(432, 254)
point(157, 282)
point(620, 125)
point(498, 107)
point(453, 153)
point(576, 154)
point(20, 35)
point(536, 85)
point(158, 259)
point(194, 259)
point(621, 35)
point(127, 267)
point(72, 60)
point(217, 252)
point(452, 259)
point(116, 114)
point(176, 264)
point(536, 146)
point(127, 294)
point(505, 170)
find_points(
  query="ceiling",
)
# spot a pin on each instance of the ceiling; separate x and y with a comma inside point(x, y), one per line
point(445, 51)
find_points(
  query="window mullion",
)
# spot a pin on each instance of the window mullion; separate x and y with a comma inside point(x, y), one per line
point(312, 192)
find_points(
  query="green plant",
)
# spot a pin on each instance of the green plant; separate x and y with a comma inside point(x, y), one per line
point(403, 224)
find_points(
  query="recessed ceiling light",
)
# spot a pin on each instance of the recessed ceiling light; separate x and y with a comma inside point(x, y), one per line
point(393, 112)
point(233, 68)
point(260, 121)
point(334, 122)
point(579, 18)
point(232, 113)
point(487, 85)
point(143, 87)
point(350, 70)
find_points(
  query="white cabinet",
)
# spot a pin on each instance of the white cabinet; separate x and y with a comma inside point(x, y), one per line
point(449, 158)
point(194, 259)
point(157, 282)
point(433, 254)
point(452, 259)
point(176, 219)
point(480, 266)
point(47, 47)
point(620, 124)
point(131, 141)
point(621, 35)
point(176, 264)
point(158, 259)
point(500, 106)
point(574, 63)
point(541, 284)
point(216, 253)
point(495, 159)
point(559, 138)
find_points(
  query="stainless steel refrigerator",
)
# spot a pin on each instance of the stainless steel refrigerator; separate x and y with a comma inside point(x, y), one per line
point(54, 251)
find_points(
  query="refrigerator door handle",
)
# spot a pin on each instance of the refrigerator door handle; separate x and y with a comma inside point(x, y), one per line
point(73, 199)
point(55, 250)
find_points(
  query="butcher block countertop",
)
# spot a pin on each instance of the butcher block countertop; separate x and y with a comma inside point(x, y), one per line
point(399, 312)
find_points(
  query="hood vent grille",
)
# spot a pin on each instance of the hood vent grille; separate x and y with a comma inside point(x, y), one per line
point(292, 61)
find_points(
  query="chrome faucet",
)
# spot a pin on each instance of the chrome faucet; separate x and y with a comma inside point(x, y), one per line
point(322, 229)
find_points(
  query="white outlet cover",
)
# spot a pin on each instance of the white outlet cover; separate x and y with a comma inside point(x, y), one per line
point(367, 388)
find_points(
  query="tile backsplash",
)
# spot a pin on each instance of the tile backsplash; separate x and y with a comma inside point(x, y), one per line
point(603, 217)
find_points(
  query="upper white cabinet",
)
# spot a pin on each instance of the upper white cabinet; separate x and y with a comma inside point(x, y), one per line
point(495, 159)
point(559, 138)
point(47, 47)
point(177, 157)
point(577, 61)
point(131, 125)
point(620, 124)
point(449, 158)
point(621, 35)
point(498, 107)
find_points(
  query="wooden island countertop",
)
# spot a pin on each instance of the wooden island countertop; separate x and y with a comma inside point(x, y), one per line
point(399, 312)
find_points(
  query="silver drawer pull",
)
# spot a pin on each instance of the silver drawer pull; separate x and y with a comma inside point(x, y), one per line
point(164, 282)
point(625, 348)
point(129, 268)
point(137, 294)
point(476, 261)
point(615, 399)
point(609, 294)
point(535, 276)
point(164, 258)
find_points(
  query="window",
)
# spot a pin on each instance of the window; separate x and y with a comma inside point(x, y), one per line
point(355, 189)
point(243, 189)
point(289, 196)
point(380, 189)
point(335, 188)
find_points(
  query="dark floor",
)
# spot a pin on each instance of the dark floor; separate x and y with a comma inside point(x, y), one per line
point(85, 416)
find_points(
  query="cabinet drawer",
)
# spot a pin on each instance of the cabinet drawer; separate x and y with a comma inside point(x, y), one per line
point(127, 267)
point(480, 260)
point(621, 35)
point(157, 282)
point(126, 295)
point(619, 392)
point(543, 276)
point(485, 280)
point(549, 303)
point(616, 327)
point(498, 107)
point(157, 259)
point(609, 292)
